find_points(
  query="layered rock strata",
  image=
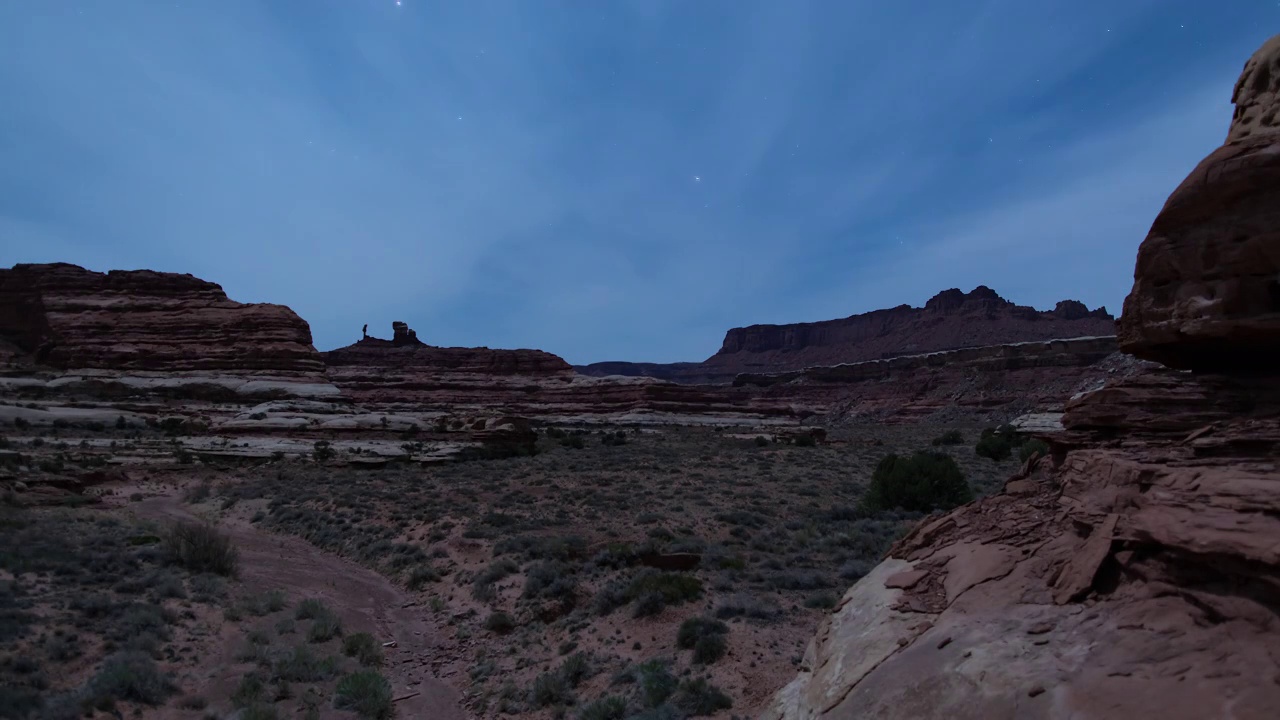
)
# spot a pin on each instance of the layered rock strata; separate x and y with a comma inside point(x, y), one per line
point(950, 320)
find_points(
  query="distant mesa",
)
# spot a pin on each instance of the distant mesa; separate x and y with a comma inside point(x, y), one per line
point(950, 320)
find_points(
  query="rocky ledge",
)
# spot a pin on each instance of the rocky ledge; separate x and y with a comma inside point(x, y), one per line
point(992, 383)
point(1136, 571)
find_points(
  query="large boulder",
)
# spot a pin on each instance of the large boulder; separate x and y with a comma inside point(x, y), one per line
point(1206, 292)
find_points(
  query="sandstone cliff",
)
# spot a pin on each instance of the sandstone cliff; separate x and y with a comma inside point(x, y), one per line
point(64, 316)
point(992, 383)
point(950, 320)
point(1136, 572)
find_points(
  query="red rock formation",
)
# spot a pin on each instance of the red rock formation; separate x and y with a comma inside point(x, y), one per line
point(64, 316)
point(994, 383)
point(1137, 574)
point(950, 320)
point(533, 383)
point(1207, 284)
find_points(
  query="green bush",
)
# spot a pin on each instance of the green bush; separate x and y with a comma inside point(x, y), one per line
point(364, 648)
point(1031, 447)
point(550, 688)
point(950, 437)
point(606, 708)
point(697, 697)
point(366, 693)
point(130, 676)
point(994, 447)
point(324, 627)
point(924, 482)
point(709, 649)
point(674, 588)
point(499, 623)
point(302, 665)
point(696, 628)
point(200, 548)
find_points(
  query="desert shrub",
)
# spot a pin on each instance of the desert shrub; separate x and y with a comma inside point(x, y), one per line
point(674, 588)
point(198, 493)
point(761, 441)
point(610, 597)
point(200, 548)
point(573, 441)
point(696, 628)
point(697, 697)
point(950, 437)
point(606, 708)
point(924, 482)
point(550, 688)
point(420, 576)
point(322, 451)
point(1032, 447)
point(324, 627)
point(130, 676)
point(994, 447)
point(806, 440)
point(482, 589)
point(364, 648)
point(648, 605)
point(499, 623)
point(709, 649)
point(549, 579)
point(743, 605)
point(302, 665)
point(575, 669)
point(614, 438)
point(310, 608)
point(855, 569)
point(654, 682)
point(366, 692)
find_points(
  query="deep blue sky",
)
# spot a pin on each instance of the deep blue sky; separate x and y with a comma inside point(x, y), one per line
point(608, 180)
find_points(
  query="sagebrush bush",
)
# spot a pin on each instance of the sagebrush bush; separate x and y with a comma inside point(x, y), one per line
point(696, 628)
point(994, 447)
point(499, 623)
point(200, 548)
point(1032, 447)
point(364, 648)
point(924, 482)
point(950, 437)
point(365, 692)
point(606, 708)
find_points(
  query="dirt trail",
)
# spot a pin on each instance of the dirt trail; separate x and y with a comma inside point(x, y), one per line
point(365, 600)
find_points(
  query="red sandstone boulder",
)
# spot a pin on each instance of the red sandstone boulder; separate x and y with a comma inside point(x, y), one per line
point(1206, 292)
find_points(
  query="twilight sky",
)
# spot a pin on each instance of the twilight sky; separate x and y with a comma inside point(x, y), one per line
point(608, 180)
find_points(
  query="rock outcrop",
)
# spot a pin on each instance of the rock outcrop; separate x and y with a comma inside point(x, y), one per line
point(397, 376)
point(991, 383)
point(1206, 293)
point(66, 317)
point(1136, 571)
point(950, 320)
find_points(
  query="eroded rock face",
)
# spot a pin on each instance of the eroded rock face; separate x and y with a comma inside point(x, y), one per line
point(64, 316)
point(533, 383)
point(1136, 572)
point(951, 319)
point(1206, 293)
